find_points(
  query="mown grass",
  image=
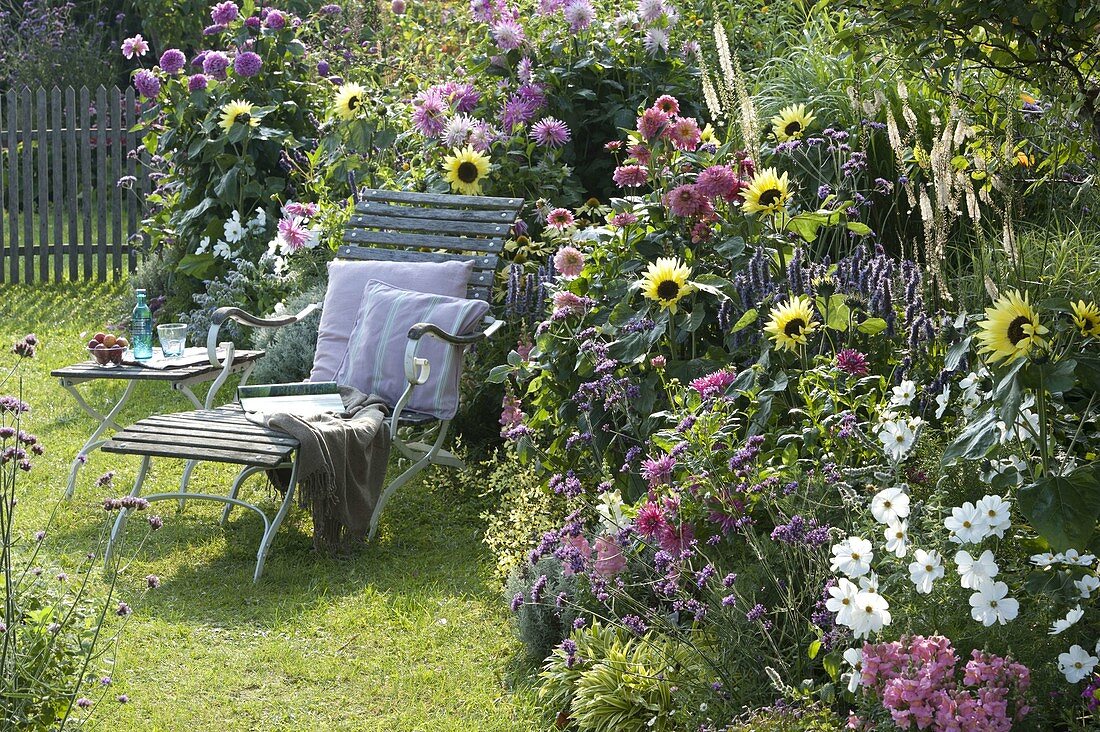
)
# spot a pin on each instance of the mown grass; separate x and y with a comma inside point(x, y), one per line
point(408, 634)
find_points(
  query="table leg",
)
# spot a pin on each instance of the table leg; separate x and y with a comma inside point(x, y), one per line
point(120, 522)
point(94, 442)
point(187, 470)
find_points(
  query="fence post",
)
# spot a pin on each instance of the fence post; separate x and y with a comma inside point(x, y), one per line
point(27, 103)
point(73, 233)
point(13, 183)
point(57, 150)
point(86, 178)
point(43, 189)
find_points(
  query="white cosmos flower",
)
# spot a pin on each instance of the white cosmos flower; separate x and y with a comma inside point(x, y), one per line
point(233, 228)
point(942, 400)
point(926, 568)
point(1071, 556)
point(889, 505)
point(1087, 585)
point(974, 572)
point(223, 250)
point(991, 604)
point(903, 394)
point(897, 538)
point(996, 512)
point(897, 439)
point(842, 595)
point(258, 222)
point(1063, 624)
point(852, 556)
point(1042, 560)
point(969, 384)
point(871, 614)
point(1077, 664)
point(854, 657)
point(869, 583)
point(966, 524)
point(204, 244)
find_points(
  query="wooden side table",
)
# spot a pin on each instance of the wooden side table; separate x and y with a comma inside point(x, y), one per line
point(180, 379)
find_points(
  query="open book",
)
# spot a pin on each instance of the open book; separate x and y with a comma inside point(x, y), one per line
point(304, 399)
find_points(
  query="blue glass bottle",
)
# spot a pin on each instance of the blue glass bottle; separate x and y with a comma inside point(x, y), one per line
point(141, 329)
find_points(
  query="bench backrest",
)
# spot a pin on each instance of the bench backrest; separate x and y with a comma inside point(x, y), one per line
point(401, 226)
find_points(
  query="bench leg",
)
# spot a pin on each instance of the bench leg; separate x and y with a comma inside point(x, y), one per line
point(428, 458)
point(120, 522)
point(269, 533)
point(241, 477)
point(187, 470)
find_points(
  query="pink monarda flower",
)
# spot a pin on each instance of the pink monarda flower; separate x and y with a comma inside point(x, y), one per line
point(684, 134)
point(630, 176)
point(566, 304)
point(650, 521)
point(295, 235)
point(652, 123)
point(624, 219)
point(301, 209)
point(852, 362)
point(560, 219)
point(715, 383)
point(686, 201)
point(609, 557)
point(136, 46)
point(718, 181)
point(569, 262)
point(667, 104)
point(550, 132)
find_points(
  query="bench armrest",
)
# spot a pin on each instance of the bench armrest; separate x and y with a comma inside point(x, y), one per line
point(231, 313)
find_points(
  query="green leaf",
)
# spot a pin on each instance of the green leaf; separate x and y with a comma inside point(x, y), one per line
point(196, 265)
point(498, 374)
point(1055, 377)
point(859, 228)
point(831, 662)
point(872, 326)
point(1063, 508)
point(955, 354)
point(1088, 373)
point(814, 649)
point(976, 440)
point(745, 320)
point(837, 313)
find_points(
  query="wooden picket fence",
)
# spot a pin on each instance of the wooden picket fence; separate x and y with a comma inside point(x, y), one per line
point(67, 208)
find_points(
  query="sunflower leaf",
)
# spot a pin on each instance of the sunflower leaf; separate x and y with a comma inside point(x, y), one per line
point(1064, 508)
point(975, 441)
point(745, 320)
point(872, 326)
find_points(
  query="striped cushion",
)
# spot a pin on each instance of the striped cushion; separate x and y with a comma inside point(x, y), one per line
point(375, 359)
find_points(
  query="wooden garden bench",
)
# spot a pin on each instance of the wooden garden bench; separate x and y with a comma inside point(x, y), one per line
point(391, 226)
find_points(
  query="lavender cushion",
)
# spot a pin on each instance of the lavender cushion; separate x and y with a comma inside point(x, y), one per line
point(345, 295)
point(375, 359)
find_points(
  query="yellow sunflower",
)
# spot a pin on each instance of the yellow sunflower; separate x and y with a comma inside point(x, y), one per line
point(791, 122)
point(1086, 316)
point(464, 170)
point(349, 98)
point(791, 323)
point(767, 193)
point(237, 112)
point(1011, 328)
point(666, 282)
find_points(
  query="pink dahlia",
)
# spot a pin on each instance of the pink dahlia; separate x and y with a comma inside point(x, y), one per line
point(658, 470)
point(147, 83)
point(714, 383)
point(429, 116)
point(675, 539)
point(667, 104)
point(560, 219)
point(630, 176)
point(579, 14)
point(172, 61)
point(624, 219)
point(295, 235)
point(508, 34)
point(684, 134)
point(275, 20)
point(301, 209)
point(641, 153)
point(566, 304)
point(136, 46)
point(224, 13)
point(650, 521)
point(852, 362)
point(550, 132)
point(652, 123)
point(718, 181)
point(569, 262)
point(686, 201)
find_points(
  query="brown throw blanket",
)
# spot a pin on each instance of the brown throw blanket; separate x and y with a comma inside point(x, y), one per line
point(341, 466)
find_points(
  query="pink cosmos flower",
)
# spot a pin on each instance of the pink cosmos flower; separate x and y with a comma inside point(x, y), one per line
point(686, 200)
point(684, 134)
point(136, 46)
point(560, 219)
point(652, 123)
point(569, 262)
point(609, 557)
point(667, 104)
point(630, 176)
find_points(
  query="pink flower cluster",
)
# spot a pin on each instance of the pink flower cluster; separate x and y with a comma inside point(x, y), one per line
point(659, 522)
point(714, 383)
point(915, 679)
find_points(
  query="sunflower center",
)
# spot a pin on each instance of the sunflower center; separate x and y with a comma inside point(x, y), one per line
point(1016, 331)
point(467, 172)
point(770, 197)
point(794, 327)
point(793, 127)
point(353, 103)
point(668, 290)
point(242, 118)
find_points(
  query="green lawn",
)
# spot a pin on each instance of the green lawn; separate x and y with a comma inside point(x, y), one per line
point(409, 634)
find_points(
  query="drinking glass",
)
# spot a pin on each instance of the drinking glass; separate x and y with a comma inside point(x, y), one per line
point(173, 337)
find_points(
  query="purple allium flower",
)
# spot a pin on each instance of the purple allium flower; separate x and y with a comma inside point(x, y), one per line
point(172, 61)
point(248, 64)
point(105, 681)
point(197, 82)
point(214, 64)
point(147, 83)
point(852, 362)
point(61, 576)
point(224, 13)
point(579, 14)
point(550, 132)
point(275, 20)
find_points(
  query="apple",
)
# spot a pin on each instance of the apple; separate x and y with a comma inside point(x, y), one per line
point(100, 347)
point(109, 340)
point(93, 343)
point(99, 337)
point(122, 342)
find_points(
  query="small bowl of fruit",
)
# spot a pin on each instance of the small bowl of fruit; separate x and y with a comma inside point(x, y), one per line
point(107, 349)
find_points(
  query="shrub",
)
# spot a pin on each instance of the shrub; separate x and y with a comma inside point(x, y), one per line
point(290, 349)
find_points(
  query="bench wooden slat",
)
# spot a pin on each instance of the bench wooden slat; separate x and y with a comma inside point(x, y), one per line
point(422, 241)
point(203, 441)
point(492, 216)
point(194, 453)
point(187, 429)
point(443, 200)
point(486, 262)
point(429, 225)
